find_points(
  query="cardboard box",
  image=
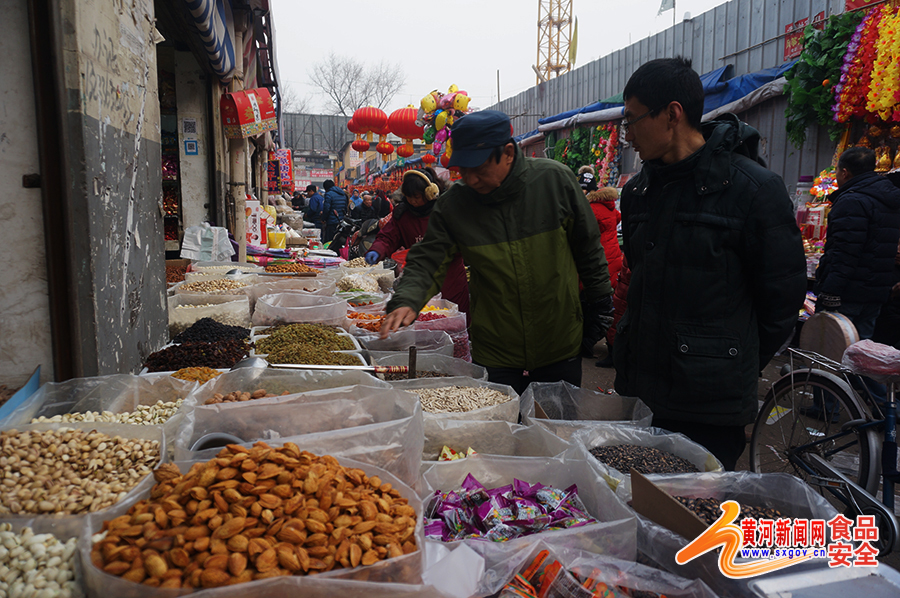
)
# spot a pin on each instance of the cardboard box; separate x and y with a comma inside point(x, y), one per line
point(301, 242)
point(657, 505)
point(178, 263)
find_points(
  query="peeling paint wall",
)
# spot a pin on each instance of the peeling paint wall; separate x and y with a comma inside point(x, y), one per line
point(116, 251)
point(192, 93)
point(25, 340)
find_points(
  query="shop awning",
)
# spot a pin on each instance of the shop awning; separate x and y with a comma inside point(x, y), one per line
point(734, 89)
point(216, 28)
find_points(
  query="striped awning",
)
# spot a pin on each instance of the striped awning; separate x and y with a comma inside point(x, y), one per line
point(216, 27)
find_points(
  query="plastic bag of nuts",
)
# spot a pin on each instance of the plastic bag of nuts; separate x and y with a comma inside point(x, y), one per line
point(63, 513)
point(237, 531)
point(37, 565)
point(119, 394)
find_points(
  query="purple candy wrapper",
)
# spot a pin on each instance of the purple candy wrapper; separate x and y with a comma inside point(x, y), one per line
point(501, 533)
point(435, 529)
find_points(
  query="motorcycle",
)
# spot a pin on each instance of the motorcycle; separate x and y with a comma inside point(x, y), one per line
point(345, 230)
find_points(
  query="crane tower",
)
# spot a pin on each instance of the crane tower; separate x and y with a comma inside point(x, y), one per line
point(554, 36)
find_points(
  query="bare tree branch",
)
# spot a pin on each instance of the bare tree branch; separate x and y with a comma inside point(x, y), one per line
point(291, 100)
point(349, 84)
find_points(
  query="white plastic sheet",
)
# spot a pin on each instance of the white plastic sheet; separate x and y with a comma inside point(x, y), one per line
point(287, 308)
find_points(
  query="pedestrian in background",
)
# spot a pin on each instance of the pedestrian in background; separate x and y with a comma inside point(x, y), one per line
point(334, 207)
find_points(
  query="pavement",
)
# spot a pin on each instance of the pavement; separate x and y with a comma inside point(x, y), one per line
point(602, 379)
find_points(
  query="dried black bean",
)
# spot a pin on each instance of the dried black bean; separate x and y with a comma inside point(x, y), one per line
point(645, 459)
point(218, 355)
point(708, 509)
point(207, 330)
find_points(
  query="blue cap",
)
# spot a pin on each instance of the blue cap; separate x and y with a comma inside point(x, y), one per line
point(476, 135)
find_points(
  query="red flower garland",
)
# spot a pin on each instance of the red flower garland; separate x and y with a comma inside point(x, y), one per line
point(858, 77)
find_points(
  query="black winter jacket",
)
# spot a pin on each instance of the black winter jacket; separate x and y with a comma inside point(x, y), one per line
point(718, 278)
point(861, 241)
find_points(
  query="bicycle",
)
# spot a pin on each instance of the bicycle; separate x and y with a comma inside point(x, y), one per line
point(815, 424)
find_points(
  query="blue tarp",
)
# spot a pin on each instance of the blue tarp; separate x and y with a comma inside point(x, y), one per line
point(739, 87)
point(715, 81)
point(519, 138)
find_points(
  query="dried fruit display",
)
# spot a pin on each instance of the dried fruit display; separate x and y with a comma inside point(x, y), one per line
point(252, 514)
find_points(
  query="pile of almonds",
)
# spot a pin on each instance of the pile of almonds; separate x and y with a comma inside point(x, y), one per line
point(238, 396)
point(252, 514)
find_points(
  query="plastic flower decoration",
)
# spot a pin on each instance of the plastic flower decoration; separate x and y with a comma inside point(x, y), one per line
point(824, 184)
point(856, 73)
point(884, 86)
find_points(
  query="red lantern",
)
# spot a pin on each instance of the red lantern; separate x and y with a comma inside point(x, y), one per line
point(360, 145)
point(370, 120)
point(405, 151)
point(402, 123)
point(385, 149)
point(429, 159)
point(445, 160)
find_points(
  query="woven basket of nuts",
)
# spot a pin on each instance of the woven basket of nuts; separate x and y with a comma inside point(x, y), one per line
point(253, 514)
point(53, 474)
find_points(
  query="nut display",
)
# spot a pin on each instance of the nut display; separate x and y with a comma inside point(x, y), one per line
point(358, 282)
point(645, 459)
point(358, 262)
point(36, 565)
point(252, 514)
point(234, 266)
point(201, 374)
point(457, 399)
point(238, 396)
point(370, 322)
point(155, 414)
point(293, 267)
point(419, 374)
point(212, 286)
point(68, 471)
point(708, 509)
point(310, 355)
point(175, 273)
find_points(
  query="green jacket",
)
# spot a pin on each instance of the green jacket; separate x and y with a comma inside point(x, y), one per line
point(526, 244)
point(718, 279)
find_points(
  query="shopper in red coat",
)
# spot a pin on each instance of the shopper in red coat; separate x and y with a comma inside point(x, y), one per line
point(603, 203)
point(407, 227)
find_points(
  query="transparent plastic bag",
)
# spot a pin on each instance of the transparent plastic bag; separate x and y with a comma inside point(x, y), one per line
point(613, 534)
point(610, 571)
point(69, 526)
point(314, 286)
point(875, 360)
point(442, 364)
point(398, 576)
point(425, 341)
point(225, 266)
point(201, 275)
point(119, 393)
point(389, 421)
point(491, 438)
point(462, 348)
point(450, 323)
point(570, 408)
point(288, 308)
point(789, 494)
point(508, 411)
point(603, 434)
point(227, 309)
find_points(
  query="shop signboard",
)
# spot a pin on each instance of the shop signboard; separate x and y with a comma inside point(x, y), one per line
point(302, 183)
point(256, 223)
point(286, 170)
point(793, 38)
point(247, 113)
point(273, 168)
point(320, 173)
point(857, 4)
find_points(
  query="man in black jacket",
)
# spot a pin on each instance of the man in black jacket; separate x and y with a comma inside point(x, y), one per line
point(718, 270)
point(856, 273)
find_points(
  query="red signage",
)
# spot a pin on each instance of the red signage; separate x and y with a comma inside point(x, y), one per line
point(247, 113)
point(793, 38)
point(855, 4)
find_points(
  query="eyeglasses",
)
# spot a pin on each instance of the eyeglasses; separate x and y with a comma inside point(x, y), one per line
point(630, 123)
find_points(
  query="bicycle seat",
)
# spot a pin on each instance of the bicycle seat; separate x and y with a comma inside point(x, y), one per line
point(881, 362)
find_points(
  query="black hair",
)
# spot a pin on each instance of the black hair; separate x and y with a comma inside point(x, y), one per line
point(415, 185)
point(311, 188)
point(857, 160)
point(497, 152)
point(658, 83)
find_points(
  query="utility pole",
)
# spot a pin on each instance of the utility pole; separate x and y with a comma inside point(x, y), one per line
point(554, 36)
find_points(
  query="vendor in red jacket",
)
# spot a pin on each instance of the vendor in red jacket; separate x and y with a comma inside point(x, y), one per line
point(407, 227)
point(603, 203)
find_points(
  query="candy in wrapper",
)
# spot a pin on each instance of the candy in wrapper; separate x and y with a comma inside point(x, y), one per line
point(448, 454)
point(550, 498)
point(501, 533)
point(494, 512)
point(435, 529)
point(475, 493)
point(470, 452)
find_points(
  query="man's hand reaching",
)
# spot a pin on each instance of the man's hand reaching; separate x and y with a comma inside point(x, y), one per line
point(402, 316)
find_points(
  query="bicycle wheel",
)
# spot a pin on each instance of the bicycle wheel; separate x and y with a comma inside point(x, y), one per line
point(801, 412)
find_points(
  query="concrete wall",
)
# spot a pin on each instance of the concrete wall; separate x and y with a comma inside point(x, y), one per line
point(24, 308)
point(115, 211)
point(193, 96)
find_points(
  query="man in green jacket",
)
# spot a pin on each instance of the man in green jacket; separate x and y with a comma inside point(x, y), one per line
point(527, 234)
point(718, 269)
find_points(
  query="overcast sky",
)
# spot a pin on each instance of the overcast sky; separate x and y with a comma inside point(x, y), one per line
point(463, 42)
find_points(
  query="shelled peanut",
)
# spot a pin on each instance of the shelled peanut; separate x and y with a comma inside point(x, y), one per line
point(69, 471)
point(252, 514)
